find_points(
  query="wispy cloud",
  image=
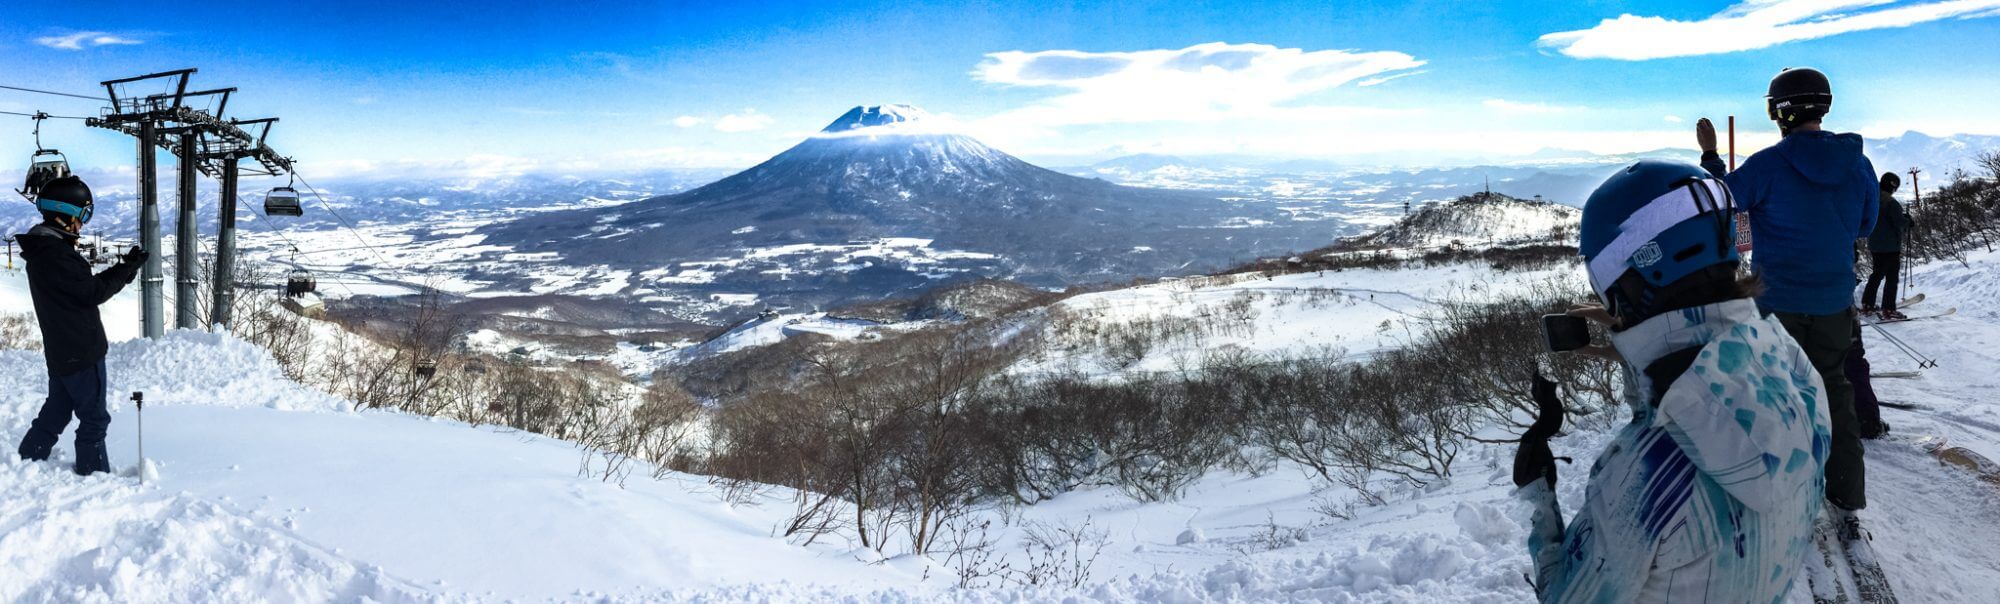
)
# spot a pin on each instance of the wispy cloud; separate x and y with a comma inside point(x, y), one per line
point(688, 121)
point(746, 121)
point(86, 39)
point(1378, 80)
point(1205, 82)
point(1751, 25)
point(1506, 106)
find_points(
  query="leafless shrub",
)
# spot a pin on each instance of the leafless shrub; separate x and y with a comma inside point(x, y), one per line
point(1060, 555)
point(18, 331)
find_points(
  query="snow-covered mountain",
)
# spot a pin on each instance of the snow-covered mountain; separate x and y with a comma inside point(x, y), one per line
point(888, 173)
point(1481, 219)
point(1937, 156)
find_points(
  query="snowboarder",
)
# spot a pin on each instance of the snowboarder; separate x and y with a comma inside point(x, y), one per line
point(1809, 197)
point(1885, 251)
point(66, 297)
point(1710, 492)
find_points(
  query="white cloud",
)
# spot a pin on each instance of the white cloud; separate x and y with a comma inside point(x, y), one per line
point(1751, 25)
point(687, 121)
point(1673, 119)
point(1202, 83)
point(85, 39)
point(746, 121)
point(1506, 106)
point(1377, 80)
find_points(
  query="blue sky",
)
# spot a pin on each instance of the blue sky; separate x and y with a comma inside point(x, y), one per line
point(498, 87)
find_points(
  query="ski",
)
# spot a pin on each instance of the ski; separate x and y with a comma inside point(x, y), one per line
point(1962, 457)
point(1910, 301)
point(1896, 405)
point(1947, 312)
point(1896, 374)
point(1824, 577)
point(1871, 585)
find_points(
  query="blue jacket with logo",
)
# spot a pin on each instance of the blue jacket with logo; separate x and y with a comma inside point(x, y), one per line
point(1809, 197)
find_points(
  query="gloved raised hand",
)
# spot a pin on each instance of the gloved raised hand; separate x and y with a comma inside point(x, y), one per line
point(1704, 135)
point(1533, 460)
point(135, 256)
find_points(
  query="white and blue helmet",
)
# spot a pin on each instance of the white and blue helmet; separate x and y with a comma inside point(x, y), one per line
point(1651, 225)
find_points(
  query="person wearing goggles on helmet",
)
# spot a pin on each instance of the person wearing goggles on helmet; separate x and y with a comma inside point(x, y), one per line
point(1710, 493)
point(66, 297)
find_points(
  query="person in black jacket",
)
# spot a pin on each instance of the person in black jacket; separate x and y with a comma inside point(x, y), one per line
point(1885, 251)
point(66, 298)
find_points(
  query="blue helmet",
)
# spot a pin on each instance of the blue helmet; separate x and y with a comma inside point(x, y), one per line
point(1651, 225)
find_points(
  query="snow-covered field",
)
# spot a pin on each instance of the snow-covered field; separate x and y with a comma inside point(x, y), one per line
point(268, 491)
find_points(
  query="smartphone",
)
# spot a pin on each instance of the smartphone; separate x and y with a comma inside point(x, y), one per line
point(1563, 333)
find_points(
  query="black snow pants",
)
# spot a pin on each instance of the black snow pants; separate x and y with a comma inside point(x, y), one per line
point(1887, 266)
point(1867, 409)
point(80, 394)
point(1826, 340)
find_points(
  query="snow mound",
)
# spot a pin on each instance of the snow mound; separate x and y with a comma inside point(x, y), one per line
point(202, 368)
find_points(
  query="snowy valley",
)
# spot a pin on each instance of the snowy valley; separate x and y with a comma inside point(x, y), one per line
point(260, 488)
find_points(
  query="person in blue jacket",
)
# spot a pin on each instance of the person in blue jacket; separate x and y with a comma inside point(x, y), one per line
point(1710, 493)
point(1809, 197)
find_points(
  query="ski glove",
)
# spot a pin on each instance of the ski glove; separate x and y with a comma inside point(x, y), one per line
point(135, 256)
point(1534, 460)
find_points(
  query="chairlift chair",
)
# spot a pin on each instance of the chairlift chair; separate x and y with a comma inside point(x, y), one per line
point(425, 368)
point(46, 165)
point(300, 282)
point(283, 201)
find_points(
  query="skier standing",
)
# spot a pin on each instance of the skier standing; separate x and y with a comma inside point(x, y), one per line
point(66, 298)
point(1710, 492)
point(1885, 251)
point(1809, 197)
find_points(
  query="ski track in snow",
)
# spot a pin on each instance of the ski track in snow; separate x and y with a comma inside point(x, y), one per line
point(269, 491)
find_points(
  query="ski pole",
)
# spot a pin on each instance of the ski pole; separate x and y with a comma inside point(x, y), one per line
point(139, 402)
point(1923, 362)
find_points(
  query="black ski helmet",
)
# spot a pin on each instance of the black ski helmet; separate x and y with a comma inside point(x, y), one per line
point(1891, 182)
point(1798, 95)
point(66, 196)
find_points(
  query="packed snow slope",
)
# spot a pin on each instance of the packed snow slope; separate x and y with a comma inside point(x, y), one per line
point(267, 491)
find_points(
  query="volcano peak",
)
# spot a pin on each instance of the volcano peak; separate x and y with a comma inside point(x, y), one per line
point(875, 116)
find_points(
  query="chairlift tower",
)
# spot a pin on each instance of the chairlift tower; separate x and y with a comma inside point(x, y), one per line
point(204, 142)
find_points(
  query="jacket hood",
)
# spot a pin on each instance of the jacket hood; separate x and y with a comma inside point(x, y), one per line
point(43, 239)
point(1823, 157)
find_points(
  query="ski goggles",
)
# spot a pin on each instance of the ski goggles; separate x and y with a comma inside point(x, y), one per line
point(82, 213)
point(1637, 244)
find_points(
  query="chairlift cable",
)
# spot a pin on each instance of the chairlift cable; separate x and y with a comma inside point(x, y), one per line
point(51, 92)
point(294, 245)
point(343, 219)
point(46, 115)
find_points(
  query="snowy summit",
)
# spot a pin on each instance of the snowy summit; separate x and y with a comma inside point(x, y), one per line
point(877, 116)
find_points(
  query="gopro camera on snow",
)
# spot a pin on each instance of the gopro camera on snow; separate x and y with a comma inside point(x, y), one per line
point(1563, 333)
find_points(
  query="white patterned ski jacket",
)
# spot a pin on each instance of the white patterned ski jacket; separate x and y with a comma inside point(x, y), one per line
point(1710, 493)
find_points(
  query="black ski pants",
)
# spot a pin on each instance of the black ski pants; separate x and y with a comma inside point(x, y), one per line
point(80, 394)
point(1886, 266)
point(1826, 340)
